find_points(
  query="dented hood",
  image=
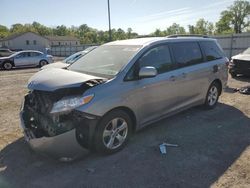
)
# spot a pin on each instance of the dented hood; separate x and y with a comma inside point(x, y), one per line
point(53, 79)
point(59, 65)
point(244, 57)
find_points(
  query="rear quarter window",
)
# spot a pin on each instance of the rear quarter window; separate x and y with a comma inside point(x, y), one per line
point(187, 53)
point(211, 50)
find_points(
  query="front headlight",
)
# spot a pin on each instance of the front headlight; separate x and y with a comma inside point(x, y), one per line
point(69, 103)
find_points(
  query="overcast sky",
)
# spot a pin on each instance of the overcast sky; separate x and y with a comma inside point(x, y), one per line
point(143, 16)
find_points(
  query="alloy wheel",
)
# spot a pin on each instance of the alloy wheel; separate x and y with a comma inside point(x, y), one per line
point(115, 133)
point(212, 95)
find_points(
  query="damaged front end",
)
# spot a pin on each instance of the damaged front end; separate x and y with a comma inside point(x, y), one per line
point(62, 134)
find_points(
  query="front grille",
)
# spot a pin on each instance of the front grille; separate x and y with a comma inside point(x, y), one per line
point(241, 64)
point(37, 107)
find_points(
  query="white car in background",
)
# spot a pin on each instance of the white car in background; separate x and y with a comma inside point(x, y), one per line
point(27, 58)
point(69, 60)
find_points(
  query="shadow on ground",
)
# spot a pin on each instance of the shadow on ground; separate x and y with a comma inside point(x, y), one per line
point(209, 143)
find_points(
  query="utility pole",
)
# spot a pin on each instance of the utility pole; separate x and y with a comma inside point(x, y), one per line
point(110, 35)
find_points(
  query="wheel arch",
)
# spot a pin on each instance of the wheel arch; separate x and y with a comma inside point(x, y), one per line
point(43, 60)
point(218, 81)
point(129, 112)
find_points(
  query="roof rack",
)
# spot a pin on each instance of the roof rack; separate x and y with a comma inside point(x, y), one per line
point(175, 36)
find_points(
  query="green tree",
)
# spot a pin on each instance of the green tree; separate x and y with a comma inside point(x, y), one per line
point(175, 29)
point(4, 31)
point(203, 27)
point(236, 18)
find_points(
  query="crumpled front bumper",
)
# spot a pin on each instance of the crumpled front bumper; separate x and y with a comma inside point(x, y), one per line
point(66, 146)
point(63, 146)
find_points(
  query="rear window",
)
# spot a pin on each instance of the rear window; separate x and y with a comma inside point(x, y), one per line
point(187, 53)
point(211, 50)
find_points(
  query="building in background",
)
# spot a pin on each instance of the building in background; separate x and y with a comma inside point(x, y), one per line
point(34, 41)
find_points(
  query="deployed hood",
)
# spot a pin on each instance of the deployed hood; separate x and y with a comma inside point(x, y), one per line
point(244, 57)
point(53, 79)
point(59, 65)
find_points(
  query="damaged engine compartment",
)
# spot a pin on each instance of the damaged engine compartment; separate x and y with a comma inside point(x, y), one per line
point(38, 104)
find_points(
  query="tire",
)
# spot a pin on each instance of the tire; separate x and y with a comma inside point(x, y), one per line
point(42, 63)
point(7, 66)
point(233, 75)
point(212, 96)
point(113, 132)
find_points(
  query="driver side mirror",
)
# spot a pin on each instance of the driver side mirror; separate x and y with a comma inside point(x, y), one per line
point(147, 72)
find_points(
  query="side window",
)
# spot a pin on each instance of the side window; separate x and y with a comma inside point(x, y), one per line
point(187, 53)
point(34, 54)
point(158, 57)
point(211, 50)
point(27, 42)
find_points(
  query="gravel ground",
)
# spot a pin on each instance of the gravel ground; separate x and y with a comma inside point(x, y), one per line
point(214, 148)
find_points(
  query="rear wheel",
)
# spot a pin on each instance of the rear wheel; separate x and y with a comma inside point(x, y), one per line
point(42, 63)
point(7, 65)
point(212, 95)
point(113, 132)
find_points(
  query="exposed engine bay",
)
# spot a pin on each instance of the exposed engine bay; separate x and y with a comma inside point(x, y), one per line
point(38, 104)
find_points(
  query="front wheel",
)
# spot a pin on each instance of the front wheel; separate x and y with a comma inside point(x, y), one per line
point(7, 65)
point(113, 132)
point(212, 95)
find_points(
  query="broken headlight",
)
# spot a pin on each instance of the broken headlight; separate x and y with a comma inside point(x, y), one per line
point(69, 103)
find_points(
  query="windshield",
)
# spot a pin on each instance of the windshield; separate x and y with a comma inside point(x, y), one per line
point(73, 58)
point(247, 51)
point(106, 60)
point(14, 54)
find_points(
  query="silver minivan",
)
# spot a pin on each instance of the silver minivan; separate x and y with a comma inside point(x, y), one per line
point(118, 88)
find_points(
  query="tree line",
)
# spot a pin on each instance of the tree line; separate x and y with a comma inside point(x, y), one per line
point(236, 19)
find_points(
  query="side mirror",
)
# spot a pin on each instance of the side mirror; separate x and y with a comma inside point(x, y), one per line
point(147, 72)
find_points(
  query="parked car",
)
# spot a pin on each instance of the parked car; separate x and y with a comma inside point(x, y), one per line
point(5, 52)
point(69, 60)
point(240, 64)
point(118, 88)
point(28, 58)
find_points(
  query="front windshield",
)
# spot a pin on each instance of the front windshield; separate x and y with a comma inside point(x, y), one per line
point(106, 60)
point(247, 51)
point(14, 54)
point(72, 58)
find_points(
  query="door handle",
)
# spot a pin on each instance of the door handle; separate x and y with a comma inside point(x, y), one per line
point(172, 78)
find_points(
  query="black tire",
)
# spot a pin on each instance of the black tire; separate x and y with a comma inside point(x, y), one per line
point(43, 63)
point(233, 75)
point(212, 99)
point(7, 65)
point(106, 124)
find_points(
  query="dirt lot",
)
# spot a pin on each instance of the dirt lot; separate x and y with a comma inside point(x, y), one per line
point(214, 148)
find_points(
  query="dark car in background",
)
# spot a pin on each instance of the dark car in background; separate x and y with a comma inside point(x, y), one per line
point(240, 64)
point(69, 60)
point(4, 52)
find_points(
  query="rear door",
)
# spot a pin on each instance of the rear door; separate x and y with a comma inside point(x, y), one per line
point(35, 58)
point(192, 74)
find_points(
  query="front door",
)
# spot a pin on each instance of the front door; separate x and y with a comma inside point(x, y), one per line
point(22, 59)
point(154, 96)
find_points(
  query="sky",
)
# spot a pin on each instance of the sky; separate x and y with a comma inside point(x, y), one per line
point(143, 16)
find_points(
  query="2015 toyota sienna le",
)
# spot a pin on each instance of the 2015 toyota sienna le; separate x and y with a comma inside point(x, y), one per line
point(118, 88)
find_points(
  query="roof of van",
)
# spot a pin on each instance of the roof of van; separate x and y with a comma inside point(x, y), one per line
point(148, 40)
